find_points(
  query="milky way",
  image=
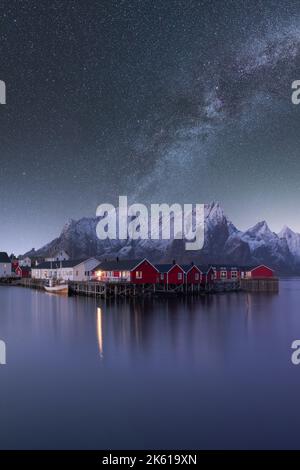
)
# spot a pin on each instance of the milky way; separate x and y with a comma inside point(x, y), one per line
point(182, 101)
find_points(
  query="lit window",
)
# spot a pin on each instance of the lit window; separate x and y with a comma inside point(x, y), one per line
point(139, 275)
point(179, 276)
point(223, 274)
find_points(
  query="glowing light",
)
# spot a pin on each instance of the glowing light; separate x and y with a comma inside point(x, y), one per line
point(99, 331)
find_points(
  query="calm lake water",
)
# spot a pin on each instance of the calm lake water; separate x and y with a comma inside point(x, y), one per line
point(203, 373)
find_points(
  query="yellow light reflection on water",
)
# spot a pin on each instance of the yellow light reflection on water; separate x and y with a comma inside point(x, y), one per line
point(99, 331)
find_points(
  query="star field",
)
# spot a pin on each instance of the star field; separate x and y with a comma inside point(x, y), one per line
point(180, 101)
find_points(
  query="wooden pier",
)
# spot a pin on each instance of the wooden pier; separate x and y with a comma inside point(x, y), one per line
point(126, 289)
point(226, 285)
point(31, 283)
point(268, 284)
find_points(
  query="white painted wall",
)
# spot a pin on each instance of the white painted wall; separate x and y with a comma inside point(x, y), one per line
point(5, 269)
point(77, 273)
point(25, 262)
point(80, 271)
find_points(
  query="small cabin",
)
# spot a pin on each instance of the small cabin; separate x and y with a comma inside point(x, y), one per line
point(23, 271)
point(261, 271)
point(60, 255)
point(171, 274)
point(207, 275)
point(192, 274)
point(134, 271)
point(5, 265)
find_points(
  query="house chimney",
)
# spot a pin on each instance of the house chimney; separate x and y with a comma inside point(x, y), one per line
point(117, 259)
point(174, 261)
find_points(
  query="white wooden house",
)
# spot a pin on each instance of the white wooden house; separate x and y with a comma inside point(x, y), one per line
point(5, 265)
point(25, 262)
point(60, 255)
point(71, 270)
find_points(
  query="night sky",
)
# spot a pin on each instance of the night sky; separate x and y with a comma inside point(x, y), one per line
point(163, 101)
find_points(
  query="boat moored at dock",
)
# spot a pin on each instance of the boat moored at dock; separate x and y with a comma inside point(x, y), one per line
point(57, 287)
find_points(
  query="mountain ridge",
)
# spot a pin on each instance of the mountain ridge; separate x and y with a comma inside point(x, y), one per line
point(224, 243)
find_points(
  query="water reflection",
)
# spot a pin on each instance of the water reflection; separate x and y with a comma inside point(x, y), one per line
point(99, 331)
point(213, 359)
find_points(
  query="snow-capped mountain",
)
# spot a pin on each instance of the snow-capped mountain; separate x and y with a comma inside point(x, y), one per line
point(224, 243)
point(293, 241)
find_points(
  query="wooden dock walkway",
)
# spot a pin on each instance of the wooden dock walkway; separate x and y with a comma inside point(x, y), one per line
point(127, 289)
point(267, 284)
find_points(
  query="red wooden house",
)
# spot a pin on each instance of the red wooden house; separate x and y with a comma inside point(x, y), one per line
point(260, 271)
point(133, 271)
point(170, 274)
point(207, 276)
point(226, 272)
point(192, 274)
point(14, 264)
point(23, 271)
point(144, 273)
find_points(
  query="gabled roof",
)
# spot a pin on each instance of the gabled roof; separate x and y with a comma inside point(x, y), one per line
point(188, 267)
point(254, 266)
point(119, 265)
point(57, 253)
point(60, 264)
point(4, 258)
point(24, 269)
point(204, 268)
point(165, 268)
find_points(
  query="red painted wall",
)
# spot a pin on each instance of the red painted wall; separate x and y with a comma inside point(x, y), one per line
point(14, 265)
point(149, 274)
point(228, 274)
point(208, 277)
point(164, 280)
point(173, 275)
point(20, 273)
point(190, 277)
point(262, 271)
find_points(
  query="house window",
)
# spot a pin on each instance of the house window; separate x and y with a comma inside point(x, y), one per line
point(223, 274)
point(197, 277)
point(139, 275)
point(233, 274)
point(179, 276)
point(162, 277)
